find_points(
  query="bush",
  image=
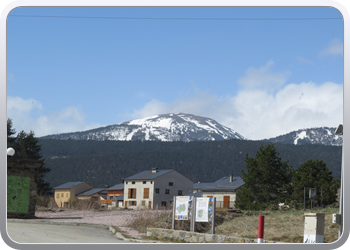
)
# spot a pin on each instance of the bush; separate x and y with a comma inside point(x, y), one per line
point(77, 204)
point(272, 207)
point(43, 201)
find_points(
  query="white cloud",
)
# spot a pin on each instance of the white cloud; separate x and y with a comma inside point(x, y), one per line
point(334, 48)
point(256, 112)
point(259, 114)
point(263, 77)
point(69, 119)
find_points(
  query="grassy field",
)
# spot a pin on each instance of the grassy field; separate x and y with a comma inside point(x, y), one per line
point(280, 225)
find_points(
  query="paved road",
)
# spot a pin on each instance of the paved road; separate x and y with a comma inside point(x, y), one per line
point(23, 232)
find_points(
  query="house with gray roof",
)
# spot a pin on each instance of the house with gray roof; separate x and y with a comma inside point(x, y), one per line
point(67, 191)
point(96, 194)
point(224, 190)
point(155, 188)
point(115, 196)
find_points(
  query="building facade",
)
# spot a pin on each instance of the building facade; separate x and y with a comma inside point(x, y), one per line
point(155, 188)
point(68, 191)
point(224, 190)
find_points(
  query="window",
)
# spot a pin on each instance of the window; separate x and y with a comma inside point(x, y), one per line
point(143, 203)
point(151, 182)
point(132, 203)
point(144, 182)
point(146, 193)
point(126, 182)
point(132, 193)
point(157, 190)
point(167, 191)
point(62, 194)
point(163, 204)
point(179, 192)
point(58, 195)
point(67, 195)
point(133, 182)
point(171, 184)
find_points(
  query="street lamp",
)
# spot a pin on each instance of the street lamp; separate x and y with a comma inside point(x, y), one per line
point(10, 151)
point(339, 131)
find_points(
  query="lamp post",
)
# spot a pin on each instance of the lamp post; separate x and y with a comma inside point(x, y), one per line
point(339, 131)
point(10, 151)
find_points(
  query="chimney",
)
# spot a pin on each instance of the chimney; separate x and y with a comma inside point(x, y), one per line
point(231, 177)
point(154, 170)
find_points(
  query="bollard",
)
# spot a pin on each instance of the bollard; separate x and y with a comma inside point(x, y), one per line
point(261, 229)
point(314, 227)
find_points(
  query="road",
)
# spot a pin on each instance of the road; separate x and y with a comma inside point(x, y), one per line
point(24, 232)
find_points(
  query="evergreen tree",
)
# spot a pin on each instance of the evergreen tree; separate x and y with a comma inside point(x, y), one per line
point(315, 174)
point(26, 147)
point(267, 180)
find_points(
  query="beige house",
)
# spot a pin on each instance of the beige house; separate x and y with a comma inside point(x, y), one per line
point(68, 191)
point(223, 189)
point(155, 188)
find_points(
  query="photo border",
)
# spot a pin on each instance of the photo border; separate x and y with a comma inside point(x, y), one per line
point(188, 3)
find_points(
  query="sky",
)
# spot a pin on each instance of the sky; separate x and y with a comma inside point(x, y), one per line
point(262, 71)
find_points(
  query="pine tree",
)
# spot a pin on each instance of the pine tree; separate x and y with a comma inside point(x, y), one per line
point(267, 180)
point(26, 147)
point(315, 174)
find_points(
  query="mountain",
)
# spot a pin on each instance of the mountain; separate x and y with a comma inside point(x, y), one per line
point(324, 135)
point(166, 127)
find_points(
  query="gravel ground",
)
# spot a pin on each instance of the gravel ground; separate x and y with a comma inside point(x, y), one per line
point(119, 219)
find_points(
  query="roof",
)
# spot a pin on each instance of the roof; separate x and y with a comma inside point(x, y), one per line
point(197, 194)
point(70, 184)
point(148, 175)
point(104, 196)
point(92, 191)
point(119, 186)
point(223, 184)
point(120, 197)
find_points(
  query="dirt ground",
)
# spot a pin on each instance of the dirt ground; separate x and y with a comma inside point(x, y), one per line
point(119, 219)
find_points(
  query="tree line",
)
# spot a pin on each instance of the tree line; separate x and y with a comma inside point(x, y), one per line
point(27, 146)
point(269, 180)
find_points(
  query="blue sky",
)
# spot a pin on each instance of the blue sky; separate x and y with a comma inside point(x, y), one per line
point(262, 71)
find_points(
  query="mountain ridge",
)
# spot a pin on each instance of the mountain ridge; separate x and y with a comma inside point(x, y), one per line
point(165, 127)
point(187, 127)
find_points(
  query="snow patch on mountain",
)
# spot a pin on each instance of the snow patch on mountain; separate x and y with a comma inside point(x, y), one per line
point(323, 135)
point(166, 127)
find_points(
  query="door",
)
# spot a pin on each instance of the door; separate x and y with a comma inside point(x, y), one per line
point(226, 201)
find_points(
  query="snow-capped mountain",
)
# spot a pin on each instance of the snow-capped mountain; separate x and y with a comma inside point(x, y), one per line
point(166, 127)
point(324, 135)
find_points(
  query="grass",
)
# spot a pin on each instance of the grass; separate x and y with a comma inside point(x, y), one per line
point(281, 225)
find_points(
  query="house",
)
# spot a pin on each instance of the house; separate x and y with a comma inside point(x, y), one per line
point(68, 191)
point(115, 191)
point(223, 189)
point(115, 196)
point(155, 188)
point(96, 194)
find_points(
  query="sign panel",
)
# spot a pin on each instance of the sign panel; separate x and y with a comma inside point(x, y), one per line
point(210, 209)
point(312, 193)
point(181, 210)
point(202, 209)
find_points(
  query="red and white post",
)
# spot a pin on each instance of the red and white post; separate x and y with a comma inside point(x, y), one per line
point(261, 229)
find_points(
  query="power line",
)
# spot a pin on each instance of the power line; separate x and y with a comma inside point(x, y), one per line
point(187, 18)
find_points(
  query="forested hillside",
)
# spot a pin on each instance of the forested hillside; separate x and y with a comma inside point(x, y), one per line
point(103, 163)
